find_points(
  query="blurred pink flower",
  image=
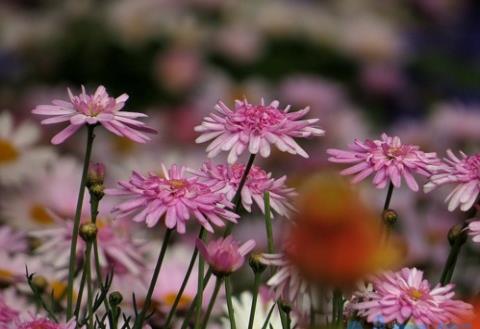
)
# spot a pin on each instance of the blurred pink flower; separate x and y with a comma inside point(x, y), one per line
point(175, 196)
point(12, 241)
point(8, 316)
point(255, 127)
point(404, 296)
point(45, 323)
point(98, 108)
point(464, 172)
point(388, 158)
point(226, 178)
point(224, 255)
point(474, 228)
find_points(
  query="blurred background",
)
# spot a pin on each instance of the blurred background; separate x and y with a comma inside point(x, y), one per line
point(406, 67)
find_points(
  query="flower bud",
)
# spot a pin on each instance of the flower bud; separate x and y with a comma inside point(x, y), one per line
point(457, 232)
point(389, 217)
point(88, 231)
point(96, 190)
point(115, 298)
point(40, 282)
point(96, 174)
point(256, 264)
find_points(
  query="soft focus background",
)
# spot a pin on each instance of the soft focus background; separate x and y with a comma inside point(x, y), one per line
point(407, 67)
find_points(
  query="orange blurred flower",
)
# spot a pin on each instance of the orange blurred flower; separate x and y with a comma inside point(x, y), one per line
point(336, 238)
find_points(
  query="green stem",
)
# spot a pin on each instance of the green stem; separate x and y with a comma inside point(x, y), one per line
point(218, 284)
point(80, 292)
point(201, 235)
point(231, 314)
point(289, 320)
point(89, 285)
point(146, 305)
point(199, 300)
point(337, 307)
point(451, 262)
point(389, 196)
point(268, 223)
point(194, 302)
point(76, 223)
point(283, 318)
point(267, 320)
point(258, 280)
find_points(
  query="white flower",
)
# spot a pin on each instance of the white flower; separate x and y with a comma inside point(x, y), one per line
point(19, 158)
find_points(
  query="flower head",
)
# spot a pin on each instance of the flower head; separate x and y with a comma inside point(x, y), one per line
point(226, 178)
point(175, 197)
point(388, 158)
point(464, 171)
point(255, 127)
point(404, 296)
point(225, 255)
point(99, 108)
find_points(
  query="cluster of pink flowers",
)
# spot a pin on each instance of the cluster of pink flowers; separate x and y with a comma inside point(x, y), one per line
point(226, 178)
point(406, 297)
point(173, 196)
point(98, 108)
point(387, 158)
point(255, 127)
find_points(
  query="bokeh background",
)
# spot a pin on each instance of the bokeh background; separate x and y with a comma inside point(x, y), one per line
point(406, 67)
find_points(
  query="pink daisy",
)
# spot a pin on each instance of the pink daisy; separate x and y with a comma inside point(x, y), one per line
point(226, 179)
point(98, 108)
point(388, 158)
point(464, 171)
point(404, 296)
point(174, 197)
point(224, 255)
point(255, 127)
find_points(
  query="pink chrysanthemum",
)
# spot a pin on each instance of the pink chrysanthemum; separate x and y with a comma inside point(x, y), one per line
point(224, 255)
point(287, 283)
point(8, 316)
point(388, 158)
point(255, 127)
point(226, 179)
point(175, 196)
point(463, 171)
point(98, 108)
point(404, 296)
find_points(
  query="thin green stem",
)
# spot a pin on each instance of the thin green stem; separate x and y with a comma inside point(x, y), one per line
point(201, 235)
point(283, 318)
point(199, 299)
point(80, 292)
point(89, 285)
point(76, 223)
point(289, 320)
point(148, 299)
point(389, 196)
point(268, 222)
point(191, 309)
point(451, 262)
point(218, 285)
point(258, 280)
point(267, 319)
point(231, 313)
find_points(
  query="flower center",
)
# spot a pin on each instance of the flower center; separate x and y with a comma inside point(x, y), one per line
point(184, 302)
point(257, 117)
point(8, 152)
point(40, 215)
point(416, 294)
point(177, 183)
point(394, 152)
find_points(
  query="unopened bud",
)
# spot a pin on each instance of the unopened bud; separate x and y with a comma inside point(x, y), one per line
point(96, 190)
point(255, 263)
point(389, 217)
point(40, 282)
point(96, 174)
point(457, 232)
point(88, 231)
point(115, 298)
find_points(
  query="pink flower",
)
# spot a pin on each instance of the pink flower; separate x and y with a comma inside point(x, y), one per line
point(12, 241)
point(44, 323)
point(404, 296)
point(8, 316)
point(175, 196)
point(98, 108)
point(388, 158)
point(226, 178)
point(474, 228)
point(464, 172)
point(255, 127)
point(224, 255)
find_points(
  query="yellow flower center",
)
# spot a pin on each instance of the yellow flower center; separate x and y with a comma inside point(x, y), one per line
point(416, 294)
point(59, 290)
point(8, 152)
point(177, 183)
point(6, 275)
point(40, 215)
point(184, 302)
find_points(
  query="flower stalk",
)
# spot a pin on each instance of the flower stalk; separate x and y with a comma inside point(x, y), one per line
point(457, 237)
point(229, 295)
point(76, 223)
point(218, 285)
